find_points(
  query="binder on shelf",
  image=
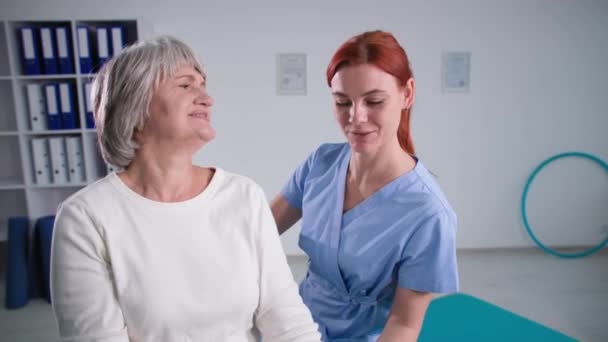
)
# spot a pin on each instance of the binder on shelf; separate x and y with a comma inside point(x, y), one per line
point(30, 58)
point(84, 50)
point(95, 165)
point(66, 105)
point(118, 39)
point(58, 160)
point(75, 159)
point(41, 161)
point(36, 106)
point(90, 121)
point(52, 106)
point(103, 46)
point(49, 57)
point(64, 51)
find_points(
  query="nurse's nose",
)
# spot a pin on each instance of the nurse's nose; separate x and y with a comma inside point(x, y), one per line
point(357, 115)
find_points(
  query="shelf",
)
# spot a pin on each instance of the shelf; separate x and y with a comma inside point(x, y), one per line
point(8, 121)
point(55, 132)
point(45, 201)
point(12, 203)
point(4, 60)
point(57, 186)
point(11, 171)
point(9, 186)
point(20, 195)
point(23, 105)
point(15, 41)
point(47, 77)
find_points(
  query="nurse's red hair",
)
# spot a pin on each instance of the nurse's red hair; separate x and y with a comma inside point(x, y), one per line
point(383, 51)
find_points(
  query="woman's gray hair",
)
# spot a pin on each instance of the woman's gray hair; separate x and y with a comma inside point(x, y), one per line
point(123, 89)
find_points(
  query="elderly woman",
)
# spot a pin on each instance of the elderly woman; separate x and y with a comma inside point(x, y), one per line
point(166, 250)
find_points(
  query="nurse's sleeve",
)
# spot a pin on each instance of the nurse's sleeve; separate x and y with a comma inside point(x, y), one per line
point(281, 315)
point(293, 190)
point(428, 262)
point(82, 289)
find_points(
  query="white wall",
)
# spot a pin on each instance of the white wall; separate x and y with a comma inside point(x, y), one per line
point(539, 71)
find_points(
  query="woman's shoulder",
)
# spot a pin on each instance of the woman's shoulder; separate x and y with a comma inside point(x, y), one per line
point(97, 197)
point(422, 191)
point(329, 152)
point(94, 194)
point(236, 183)
point(327, 155)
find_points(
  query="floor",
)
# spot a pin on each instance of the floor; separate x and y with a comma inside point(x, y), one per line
point(570, 296)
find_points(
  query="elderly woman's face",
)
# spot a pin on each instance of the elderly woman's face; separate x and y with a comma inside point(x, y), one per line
point(180, 110)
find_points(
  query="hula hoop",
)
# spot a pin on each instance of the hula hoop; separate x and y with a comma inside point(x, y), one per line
point(525, 195)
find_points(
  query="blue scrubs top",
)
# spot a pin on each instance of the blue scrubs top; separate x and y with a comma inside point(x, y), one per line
point(403, 235)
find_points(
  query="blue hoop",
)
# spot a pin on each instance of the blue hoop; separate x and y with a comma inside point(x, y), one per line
point(525, 195)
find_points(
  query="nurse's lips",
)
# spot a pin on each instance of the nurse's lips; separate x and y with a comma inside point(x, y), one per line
point(360, 133)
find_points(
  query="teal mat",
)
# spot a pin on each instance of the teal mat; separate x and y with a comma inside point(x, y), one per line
point(461, 317)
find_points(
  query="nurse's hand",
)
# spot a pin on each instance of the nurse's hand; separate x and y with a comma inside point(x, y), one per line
point(406, 317)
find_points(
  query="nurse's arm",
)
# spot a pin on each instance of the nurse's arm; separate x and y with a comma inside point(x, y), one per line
point(406, 316)
point(285, 215)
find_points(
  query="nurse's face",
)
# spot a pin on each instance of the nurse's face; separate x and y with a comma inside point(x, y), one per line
point(368, 104)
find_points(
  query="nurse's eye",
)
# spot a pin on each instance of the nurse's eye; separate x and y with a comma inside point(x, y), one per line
point(374, 102)
point(342, 103)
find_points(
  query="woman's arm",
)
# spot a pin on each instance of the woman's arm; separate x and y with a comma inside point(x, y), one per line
point(406, 316)
point(82, 289)
point(281, 315)
point(284, 214)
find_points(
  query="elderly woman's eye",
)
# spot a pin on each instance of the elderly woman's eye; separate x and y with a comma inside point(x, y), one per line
point(185, 86)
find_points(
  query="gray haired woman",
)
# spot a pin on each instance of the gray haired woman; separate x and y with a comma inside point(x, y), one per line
point(166, 250)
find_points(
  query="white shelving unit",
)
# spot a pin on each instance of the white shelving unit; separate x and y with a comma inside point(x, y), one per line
point(19, 194)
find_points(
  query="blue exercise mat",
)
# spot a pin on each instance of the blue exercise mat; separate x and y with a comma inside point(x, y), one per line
point(461, 317)
point(43, 232)
point(17, 294)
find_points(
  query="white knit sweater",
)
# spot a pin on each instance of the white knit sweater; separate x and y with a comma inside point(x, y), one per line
point(126, 268)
